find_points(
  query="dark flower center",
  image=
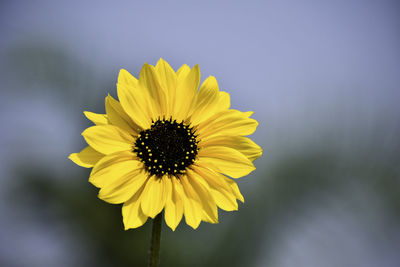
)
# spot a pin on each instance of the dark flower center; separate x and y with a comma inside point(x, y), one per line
point(168, 147)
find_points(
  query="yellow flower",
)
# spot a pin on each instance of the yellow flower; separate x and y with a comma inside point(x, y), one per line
point(169, 145)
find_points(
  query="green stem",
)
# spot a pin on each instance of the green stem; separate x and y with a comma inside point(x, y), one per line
point(154, 259)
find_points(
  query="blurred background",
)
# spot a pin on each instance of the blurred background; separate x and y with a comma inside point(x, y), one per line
point(322, 77)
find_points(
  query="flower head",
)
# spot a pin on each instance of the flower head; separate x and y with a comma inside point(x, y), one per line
point(167, 145)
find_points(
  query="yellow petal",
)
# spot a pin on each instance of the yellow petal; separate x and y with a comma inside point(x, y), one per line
point(210, 212)
point(206, 101)
point(166, 74)
point(117, 116)
point(235, 189)
point(191, 204)
point(154, 195)
point(224, 101)
point(86, 158)
point(125, 77)
point(185, 92)
point(168, 80)
point(132, 213)
point(242, 144)
point(123, 187)
point(108, 139)
point(209, 89)
point(229, 122)
point(174, 206)
point(134, 101)
point(182, 72)
point(111, 166)
point(249, 113)
point(98, 119)
point(221, 191)
point(226, 160)
point(148, 80)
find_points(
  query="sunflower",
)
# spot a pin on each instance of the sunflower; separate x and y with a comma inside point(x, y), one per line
point(167, 145)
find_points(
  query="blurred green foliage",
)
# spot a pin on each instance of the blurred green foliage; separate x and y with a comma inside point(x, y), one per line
point(236, 241)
